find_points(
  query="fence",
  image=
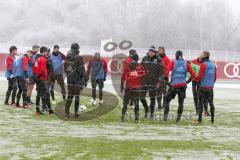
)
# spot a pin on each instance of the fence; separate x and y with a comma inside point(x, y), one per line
point(228, 63)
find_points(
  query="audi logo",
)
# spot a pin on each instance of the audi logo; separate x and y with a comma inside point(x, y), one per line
point(124, 45)
point(235, 70)
point(117, 69)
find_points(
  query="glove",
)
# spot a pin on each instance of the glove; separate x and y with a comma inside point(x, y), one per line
point(122, 87)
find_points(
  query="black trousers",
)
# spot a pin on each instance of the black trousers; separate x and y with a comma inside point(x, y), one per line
point(161, 93)
point(152, 90)
point(206, 96)
point(42, 93)
point(100, 85)
point(195, 91)
point(60, 81)
point(12, 89)
point(143, 101)
point(73, 90)
point(131, 94)
point(22, 90)
point(172, 92)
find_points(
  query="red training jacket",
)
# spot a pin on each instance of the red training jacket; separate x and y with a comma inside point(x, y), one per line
point(126, 67)
point(133, 77)
point(40, 68)
point(25, 60)
point(166, 62)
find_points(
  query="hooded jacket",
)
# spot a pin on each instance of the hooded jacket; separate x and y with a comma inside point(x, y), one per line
point(74, 68)
point(154, 70)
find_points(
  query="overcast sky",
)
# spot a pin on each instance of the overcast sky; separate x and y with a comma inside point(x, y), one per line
point(24, 22)
point(234, 4)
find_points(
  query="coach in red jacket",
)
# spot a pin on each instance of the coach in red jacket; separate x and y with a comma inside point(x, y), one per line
point(41, 76)
point(165, 62)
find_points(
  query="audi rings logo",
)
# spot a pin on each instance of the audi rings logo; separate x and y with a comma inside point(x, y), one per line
point(231, 70)
point(115, 66)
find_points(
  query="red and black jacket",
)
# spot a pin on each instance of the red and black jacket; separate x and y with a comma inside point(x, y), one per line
point(40, 68)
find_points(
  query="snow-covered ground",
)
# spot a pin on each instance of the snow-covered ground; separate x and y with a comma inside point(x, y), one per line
point(223, 136)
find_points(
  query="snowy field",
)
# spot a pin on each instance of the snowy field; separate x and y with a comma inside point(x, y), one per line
point(24, 136)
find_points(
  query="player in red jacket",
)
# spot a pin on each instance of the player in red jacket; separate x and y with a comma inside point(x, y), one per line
point(97, 70)
point(207, 77)
point(9, 74)
point(22, 78)
point(165, 62)
point(179, 69)
point(132, 82)
point(132, 55)
point(128, 60)
point(41, 76)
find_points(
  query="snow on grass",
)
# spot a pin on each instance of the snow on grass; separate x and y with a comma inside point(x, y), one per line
point(194, 154)
point(24, 136)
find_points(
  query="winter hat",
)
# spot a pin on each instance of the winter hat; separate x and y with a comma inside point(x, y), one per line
point(152, 49)
point(132, 51)
point(133, 54)
point(75, 46)
point(134, 57)
point(152, 46)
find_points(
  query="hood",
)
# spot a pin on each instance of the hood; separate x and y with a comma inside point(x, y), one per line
point(72, 54)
